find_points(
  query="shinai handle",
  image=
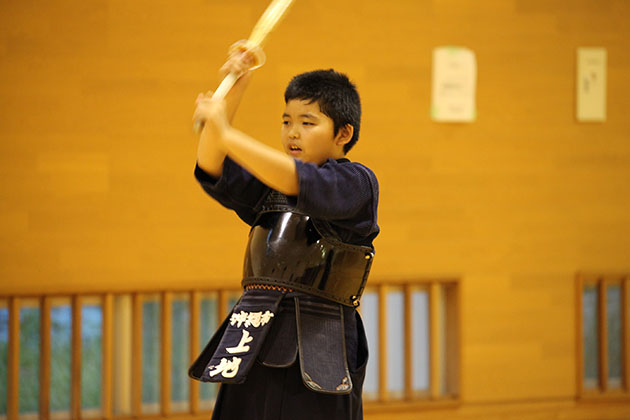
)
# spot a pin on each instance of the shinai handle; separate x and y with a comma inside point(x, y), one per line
point(220, 93)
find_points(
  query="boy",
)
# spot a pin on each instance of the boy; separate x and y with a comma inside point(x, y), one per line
point(294, 345)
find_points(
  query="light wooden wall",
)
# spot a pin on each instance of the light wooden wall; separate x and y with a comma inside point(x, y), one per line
point(97, 154)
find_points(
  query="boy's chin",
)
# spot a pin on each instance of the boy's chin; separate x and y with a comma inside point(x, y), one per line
point(301, 158)
point(296, 155)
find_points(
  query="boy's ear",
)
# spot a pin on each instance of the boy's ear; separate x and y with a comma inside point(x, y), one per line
point(344, 135)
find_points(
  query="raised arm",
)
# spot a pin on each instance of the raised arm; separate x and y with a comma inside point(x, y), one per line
point(272, 167)
point(210, 155)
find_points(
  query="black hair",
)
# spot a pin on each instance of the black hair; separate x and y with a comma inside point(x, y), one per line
point(336, 96)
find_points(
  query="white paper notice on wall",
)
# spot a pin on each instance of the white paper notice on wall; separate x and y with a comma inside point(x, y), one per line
point(454, 85)
point(591, 84)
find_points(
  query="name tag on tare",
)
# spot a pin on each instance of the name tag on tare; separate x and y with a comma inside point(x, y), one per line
point(238, 332)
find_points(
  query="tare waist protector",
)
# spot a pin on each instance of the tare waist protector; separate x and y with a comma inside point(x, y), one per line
point(294, 251)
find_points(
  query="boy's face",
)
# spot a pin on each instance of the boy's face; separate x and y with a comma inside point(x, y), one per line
point(307, 133)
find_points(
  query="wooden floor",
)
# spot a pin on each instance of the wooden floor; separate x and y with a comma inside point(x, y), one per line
point(566, 409)
point(551, 410)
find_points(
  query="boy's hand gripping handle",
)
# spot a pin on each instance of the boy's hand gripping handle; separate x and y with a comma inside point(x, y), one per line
point(231, 78)
point(220, 93)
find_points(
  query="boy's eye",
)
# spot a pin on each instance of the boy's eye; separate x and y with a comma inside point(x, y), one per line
point(285, 122)
point(307, 123)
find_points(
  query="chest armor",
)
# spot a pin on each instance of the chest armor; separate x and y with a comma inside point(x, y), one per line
point(294, 251)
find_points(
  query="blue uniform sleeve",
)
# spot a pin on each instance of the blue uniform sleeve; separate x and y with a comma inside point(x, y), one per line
point(342, 192)
point(235, 189)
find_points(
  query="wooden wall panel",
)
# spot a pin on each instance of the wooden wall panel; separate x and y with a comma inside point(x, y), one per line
point(97, 153)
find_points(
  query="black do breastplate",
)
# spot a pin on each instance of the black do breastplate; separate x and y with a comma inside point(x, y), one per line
point(287, 249)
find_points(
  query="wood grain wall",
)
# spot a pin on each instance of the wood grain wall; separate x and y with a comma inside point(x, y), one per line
point(97, 154)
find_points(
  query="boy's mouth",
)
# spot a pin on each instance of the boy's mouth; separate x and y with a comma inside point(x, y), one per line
point(294, 150)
